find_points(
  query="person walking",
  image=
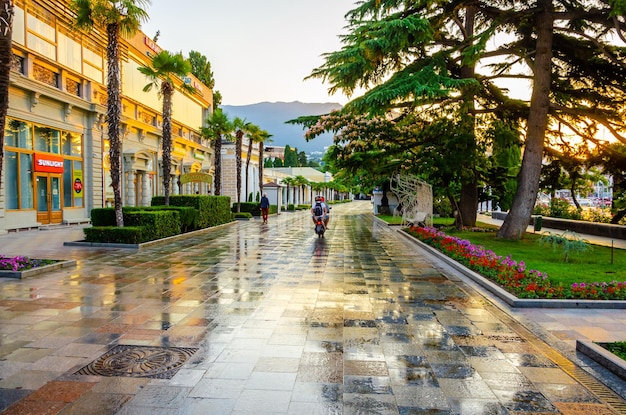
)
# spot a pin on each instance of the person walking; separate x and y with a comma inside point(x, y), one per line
point(265, 207)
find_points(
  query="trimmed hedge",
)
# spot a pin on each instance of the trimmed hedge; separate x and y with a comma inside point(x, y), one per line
point(250, 207)
point(188, 215)
point(148, 223)
point(106, 216)
point(157, 224)
point(115, 235)
point(212, 210)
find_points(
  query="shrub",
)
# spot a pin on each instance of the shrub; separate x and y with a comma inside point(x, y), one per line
point(568, 242)
point(250, 207)
point(114, 234)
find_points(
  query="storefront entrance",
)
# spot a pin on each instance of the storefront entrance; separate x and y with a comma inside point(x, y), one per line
point(48, 191)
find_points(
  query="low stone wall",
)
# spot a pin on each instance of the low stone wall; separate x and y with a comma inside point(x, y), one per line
point(578, 226)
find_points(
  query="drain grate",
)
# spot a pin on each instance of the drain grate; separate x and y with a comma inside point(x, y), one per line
point(139, 362)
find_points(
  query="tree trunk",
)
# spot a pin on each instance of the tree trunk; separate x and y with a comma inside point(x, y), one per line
point(218, 165)
point(6, 55)
point(167, 91)
point(114, 105)
point(238, 145)
point(517, 220)
point(261, 151)
point(468, 202)
point(248, 157)
point(468, 205)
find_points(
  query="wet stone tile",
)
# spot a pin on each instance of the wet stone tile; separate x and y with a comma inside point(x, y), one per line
point(365, 368)
point(477, 406)
point(487, 352)
point(416, 376)
point(559, 392)
point(357, 404)
point(567, 408)
point(529, 360)
point(367, 385)
point(525, 400)
point(453, 371)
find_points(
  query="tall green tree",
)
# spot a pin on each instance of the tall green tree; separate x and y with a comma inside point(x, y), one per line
point(119, 18)
point(453, 56)
point(6, 56)
point(164, 73)
point(217, 129)
point(201, 69)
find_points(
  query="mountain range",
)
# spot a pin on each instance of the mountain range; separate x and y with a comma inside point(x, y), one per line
point(271, 117)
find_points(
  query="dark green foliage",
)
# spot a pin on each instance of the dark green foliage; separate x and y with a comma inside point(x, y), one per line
point(115, 235)
point(103, 217)
point(188, 216)
point(212, 210)
point(158, 224)
point(106, 216)
point(250, 207)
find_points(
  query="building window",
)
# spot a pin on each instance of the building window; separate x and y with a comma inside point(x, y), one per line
point(45, 75)
point(72, 86)
point(73, 183)
point(17, 64)
point(24, 142)
point(47, 140)
point(72, 144)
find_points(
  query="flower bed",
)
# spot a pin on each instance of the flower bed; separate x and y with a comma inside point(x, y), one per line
point(511, 275)
point(21, 263)
point(20, 267)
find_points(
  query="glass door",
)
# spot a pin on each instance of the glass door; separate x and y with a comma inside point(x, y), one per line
point(48, 198)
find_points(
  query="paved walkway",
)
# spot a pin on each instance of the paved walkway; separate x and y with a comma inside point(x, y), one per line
point(269, 319)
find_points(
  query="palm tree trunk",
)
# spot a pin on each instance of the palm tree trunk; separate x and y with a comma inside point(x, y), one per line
point(517, 220)
point(6, 54)
point(114, 104)
point(248, 157)
point(261, 151)
point(218, 165)
point(167, 92)
point(238, 145)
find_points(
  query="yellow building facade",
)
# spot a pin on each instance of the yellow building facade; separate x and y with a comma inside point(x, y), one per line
point(56, 145)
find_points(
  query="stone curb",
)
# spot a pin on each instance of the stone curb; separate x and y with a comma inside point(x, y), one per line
point(36, 271)
point(507, 297)
point(599, 354)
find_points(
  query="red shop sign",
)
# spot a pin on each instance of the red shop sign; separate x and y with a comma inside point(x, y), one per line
point(47, 163)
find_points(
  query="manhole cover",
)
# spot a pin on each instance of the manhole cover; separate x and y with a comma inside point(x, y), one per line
point(139, 362)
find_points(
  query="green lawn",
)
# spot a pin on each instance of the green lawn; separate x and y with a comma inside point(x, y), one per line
point(591, 266)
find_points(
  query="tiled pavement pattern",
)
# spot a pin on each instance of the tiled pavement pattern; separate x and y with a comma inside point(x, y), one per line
point(360, 322)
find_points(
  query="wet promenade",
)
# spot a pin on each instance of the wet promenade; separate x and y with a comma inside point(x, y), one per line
point(268, 319)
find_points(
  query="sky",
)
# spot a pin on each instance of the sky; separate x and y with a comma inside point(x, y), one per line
point(259, 50)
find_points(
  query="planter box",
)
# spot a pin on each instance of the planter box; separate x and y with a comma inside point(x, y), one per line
point(602, 356)
point(36, 271)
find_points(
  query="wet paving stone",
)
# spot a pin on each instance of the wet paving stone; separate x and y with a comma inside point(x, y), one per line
point(281, 322)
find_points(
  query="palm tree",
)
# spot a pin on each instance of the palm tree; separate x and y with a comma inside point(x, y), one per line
point(288, 181)
point(6, 51)
point(218, 126)
point(240, 127)
point(119, 17)
point(164, 69)
point(300, 181)
point(253, 136)
point(263, 137)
